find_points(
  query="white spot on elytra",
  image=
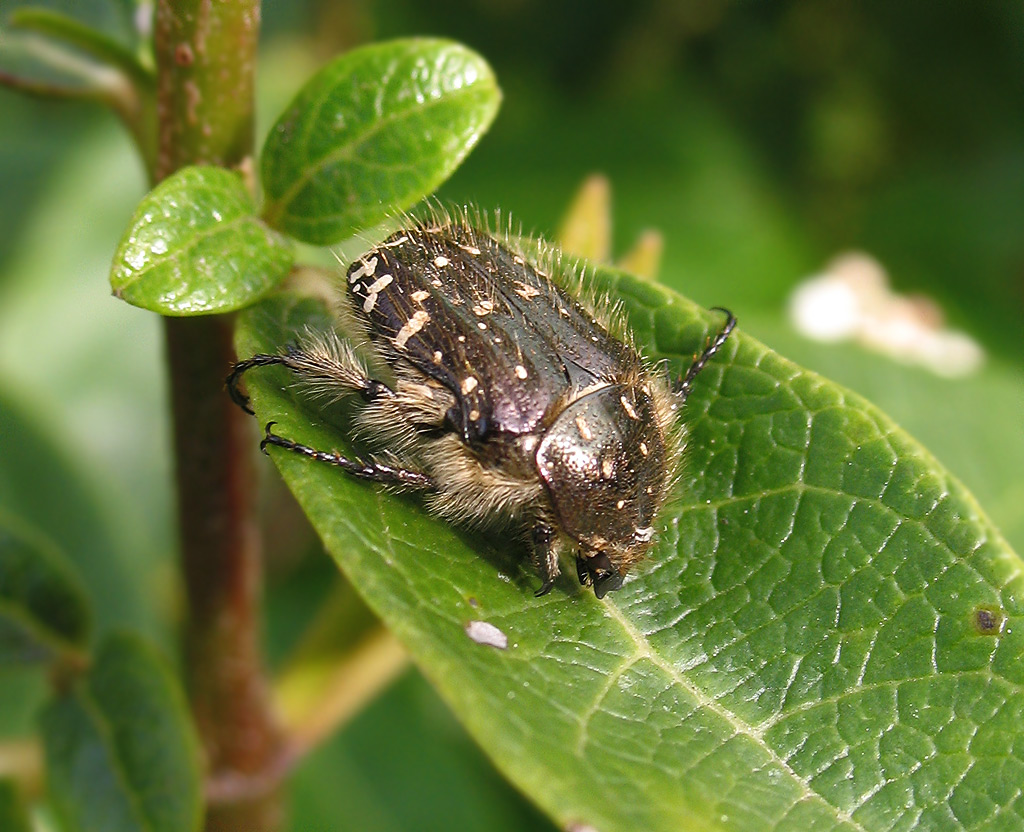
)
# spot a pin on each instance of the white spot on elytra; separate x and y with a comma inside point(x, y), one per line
point(481, 325)
point(380, 284)
point(526, 291)
point(437, 356)
point(620, 504)
point(367, 267)
point(607, 468)
point(441, 261)
point(412, 326)
point(420, 295)
point(470, 250)
point(520, 371)
point(643, 448)
point(484, 307)
point(375, 289)
point(628, 407)
point(474, 415)
point(469, 384)
point(483, 632)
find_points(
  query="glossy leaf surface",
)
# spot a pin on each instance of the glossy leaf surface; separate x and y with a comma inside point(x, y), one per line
point(44, 610)
point(195, 246)
point(374, 131)
point(120, 749)
point(828, 634)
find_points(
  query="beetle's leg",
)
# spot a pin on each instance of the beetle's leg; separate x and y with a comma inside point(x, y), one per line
point(597, 570)
point(259, 360)
point(545, 555)
point(683, 386)
point(366, 469)
point(583, 571)
point(605, 574)
point(323, 362)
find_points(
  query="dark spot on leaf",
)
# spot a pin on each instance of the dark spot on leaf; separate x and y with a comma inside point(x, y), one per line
point(988, 621)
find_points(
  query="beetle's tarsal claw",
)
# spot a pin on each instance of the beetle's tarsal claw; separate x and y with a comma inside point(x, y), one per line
point(544, 589)
point(606, 583)
point(583, 571)
point(268, 437)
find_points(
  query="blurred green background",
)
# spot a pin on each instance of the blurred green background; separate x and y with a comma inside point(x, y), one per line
point(761, 139)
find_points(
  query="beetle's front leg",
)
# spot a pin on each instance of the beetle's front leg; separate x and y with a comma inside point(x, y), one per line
point(597, 570)
point(545, 555)
point(327, 365)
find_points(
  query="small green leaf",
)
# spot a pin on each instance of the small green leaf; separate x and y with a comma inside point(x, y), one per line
point(195, 246)
point(373, 132)
point(13, 817)
point(120, 749)
point(828, 634)
point(44, 611)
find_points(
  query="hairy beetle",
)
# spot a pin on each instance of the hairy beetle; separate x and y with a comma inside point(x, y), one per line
point(512, 395)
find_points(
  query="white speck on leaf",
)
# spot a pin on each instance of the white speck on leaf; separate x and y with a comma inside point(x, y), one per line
point(484, 633)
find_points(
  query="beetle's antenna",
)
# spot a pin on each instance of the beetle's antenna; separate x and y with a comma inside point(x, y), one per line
point(683, 387)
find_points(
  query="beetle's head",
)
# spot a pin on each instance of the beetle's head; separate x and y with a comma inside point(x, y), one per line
point(606, 468)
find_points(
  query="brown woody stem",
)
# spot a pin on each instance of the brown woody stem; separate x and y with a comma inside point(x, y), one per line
point(206, 51)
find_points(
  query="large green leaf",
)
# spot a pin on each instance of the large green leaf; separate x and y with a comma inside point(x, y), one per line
point(44, 610)
point(195, 246)
point(377, 129)
point(828, 634)
point(121, 753)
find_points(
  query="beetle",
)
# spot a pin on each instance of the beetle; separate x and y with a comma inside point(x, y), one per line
point(513, 394)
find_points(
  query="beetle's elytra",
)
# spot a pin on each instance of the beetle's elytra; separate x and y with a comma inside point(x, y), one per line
point(511, 396)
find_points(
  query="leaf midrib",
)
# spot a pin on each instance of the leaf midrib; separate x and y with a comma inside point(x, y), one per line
point(106, 735)
point(643, 650)
point(277, 208)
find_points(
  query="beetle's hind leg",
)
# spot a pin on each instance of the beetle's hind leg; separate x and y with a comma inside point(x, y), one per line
point(366, 469)
point(325, 364)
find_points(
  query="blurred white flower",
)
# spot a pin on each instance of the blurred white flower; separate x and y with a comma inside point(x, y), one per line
point(852, 299)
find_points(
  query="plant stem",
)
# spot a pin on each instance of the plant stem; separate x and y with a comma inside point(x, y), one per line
point(205, 52)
